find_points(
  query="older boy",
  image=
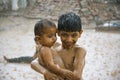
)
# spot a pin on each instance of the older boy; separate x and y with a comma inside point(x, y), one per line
point(73, 56)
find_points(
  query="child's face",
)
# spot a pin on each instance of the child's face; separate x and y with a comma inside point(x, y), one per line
point(69, 38)
point(49, 37)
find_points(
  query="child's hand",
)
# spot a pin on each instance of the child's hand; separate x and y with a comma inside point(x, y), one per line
point(49, 76)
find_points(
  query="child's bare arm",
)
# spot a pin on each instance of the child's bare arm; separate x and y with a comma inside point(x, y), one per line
point(79, 62)
point(37, 67)
point(49, 63)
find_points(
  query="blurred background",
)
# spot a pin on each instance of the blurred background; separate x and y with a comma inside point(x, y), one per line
point(101, 36)
point(92, 12)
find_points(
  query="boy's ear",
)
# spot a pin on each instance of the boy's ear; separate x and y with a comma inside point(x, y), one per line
point(80, 32)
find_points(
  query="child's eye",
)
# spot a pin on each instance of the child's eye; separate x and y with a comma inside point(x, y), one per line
point(50, 36)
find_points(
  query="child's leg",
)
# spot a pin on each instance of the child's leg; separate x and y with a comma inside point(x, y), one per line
point(25, 59)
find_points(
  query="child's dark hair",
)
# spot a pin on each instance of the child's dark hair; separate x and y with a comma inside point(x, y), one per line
point(41, 25)
point(69, 22)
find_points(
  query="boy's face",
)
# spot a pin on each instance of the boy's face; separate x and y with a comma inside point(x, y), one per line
point(49, 37)
point(69, 38)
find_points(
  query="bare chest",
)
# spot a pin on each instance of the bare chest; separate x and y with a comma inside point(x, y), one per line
point(68, 60)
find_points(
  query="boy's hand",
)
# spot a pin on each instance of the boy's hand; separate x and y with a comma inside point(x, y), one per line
point(73, 78)
point(76, 78)
point(67, 75)
point(49, 76)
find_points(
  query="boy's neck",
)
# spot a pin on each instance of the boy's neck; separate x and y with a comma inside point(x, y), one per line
point(68, 49)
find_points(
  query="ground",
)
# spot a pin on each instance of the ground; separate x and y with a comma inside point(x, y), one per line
point(17, 39)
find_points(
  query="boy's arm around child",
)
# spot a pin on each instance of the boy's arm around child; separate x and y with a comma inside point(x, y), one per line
point(79, 62)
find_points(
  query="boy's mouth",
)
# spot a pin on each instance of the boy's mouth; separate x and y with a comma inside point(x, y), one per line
point(69, 44)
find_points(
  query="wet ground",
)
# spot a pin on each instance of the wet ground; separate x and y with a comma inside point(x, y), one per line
point(17, 39)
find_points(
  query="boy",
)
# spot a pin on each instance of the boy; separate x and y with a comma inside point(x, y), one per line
point(73, 56)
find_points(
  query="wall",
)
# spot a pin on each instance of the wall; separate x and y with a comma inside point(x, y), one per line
point(92, 12)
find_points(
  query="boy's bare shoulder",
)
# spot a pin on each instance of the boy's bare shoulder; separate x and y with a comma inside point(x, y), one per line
point(80, 49)
point(56, 46)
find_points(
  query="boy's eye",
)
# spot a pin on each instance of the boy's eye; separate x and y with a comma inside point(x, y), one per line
point(74, 35)
point(64, 35)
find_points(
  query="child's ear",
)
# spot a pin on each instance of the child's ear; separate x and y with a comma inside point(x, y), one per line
point(37, 39)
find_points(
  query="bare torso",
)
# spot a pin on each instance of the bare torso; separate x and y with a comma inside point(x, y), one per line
point(73, 59)
point(68, 58)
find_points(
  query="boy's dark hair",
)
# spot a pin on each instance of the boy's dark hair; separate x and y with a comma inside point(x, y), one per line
point(41, 25)
point(69, 22)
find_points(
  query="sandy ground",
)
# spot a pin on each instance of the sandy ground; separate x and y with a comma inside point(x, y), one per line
point(16, 39)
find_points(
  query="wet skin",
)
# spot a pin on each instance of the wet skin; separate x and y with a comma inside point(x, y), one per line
point(69, 39)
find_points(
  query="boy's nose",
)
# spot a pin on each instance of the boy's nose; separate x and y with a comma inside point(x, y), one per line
point(69, 39)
